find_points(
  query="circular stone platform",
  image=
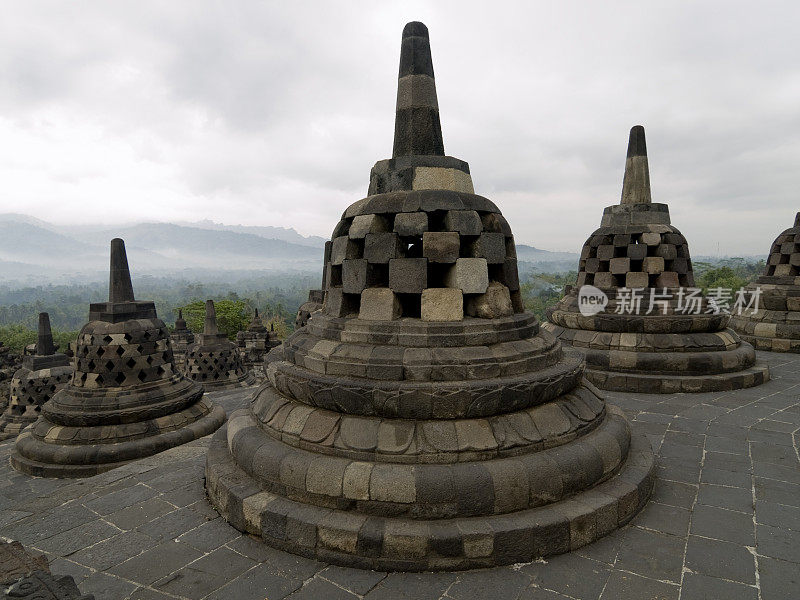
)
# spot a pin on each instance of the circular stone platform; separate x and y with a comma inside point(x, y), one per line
point(658, 349)
point(422, 420)
point(776, 324)
point(125, 400)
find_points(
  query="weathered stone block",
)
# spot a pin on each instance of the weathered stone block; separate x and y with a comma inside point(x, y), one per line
point(620, 266)
point(604, 280)
point(491, 246)
point(465, 222)
point(339, 304)
point(379, 304)
point(381, 247)
point(364, 224)
point(668, 279)
point(411, 224)
point(653, 264)
point(408, 275)
point(442, 304)
point(354, 275)
point(441, 246)
point(494, 303)
point(605, 252)
point(343, 247)
point(651, 239)
point(470, 275)
point(637, 251)
point(636, 280)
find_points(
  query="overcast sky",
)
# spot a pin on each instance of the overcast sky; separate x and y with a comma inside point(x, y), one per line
point(272, 113)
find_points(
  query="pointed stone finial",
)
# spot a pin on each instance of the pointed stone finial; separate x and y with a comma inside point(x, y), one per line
point(44, 341)
point(180, 322)
point(797, 220)
point(120, 288)
point(180, 314)
point(417, 130)
point(210, 327)
point(256, 315)
point(636, 183)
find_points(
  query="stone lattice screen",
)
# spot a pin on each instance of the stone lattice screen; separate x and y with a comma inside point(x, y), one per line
point(403, 255)
point(653, 256)
point(784, 256)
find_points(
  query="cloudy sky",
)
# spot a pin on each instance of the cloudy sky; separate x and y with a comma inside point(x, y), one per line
point(272, 113)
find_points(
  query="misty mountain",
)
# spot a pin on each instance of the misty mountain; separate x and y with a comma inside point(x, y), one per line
point(285, 234)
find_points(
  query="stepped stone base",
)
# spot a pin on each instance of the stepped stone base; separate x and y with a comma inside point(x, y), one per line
point(60, 453)
point(671, 384)
point(372, 540)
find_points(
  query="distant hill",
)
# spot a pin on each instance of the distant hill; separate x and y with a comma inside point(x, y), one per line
point(32, 250)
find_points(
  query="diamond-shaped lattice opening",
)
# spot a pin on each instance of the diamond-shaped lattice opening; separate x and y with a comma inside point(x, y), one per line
point(146, 335)
point(128, 337)
point(160, 370)
point(108, 339)
point(100, 351)
point(110, 365)
point(119, 378)
point(130, 363)
point(141, 375)
point(91, 365)
point(120, 350)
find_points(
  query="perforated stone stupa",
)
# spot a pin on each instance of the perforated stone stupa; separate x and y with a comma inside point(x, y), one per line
point(182, 337)
point(125, 400)
point(422, 420)
point(775, 325)
point(213, 360)
point(40, 377)
point(677, 346)
point(254, 343)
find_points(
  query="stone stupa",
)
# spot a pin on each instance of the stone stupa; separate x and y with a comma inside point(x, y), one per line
point(213, 360)
point(775, 325)
point(681, 345)
point(182, 337)
point(125, 401)
point(421, 420)
point(254, 343)
point(41, 375)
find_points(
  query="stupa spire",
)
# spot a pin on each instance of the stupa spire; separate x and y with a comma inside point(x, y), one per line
point(797, 220)
point(120, 288)
point(210, 327)
point(636, 183)
point(44, 341)
point(417, 130)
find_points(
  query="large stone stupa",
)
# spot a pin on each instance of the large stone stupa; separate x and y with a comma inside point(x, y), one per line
point(677, 345)
point(42, 374)
point(775, 323)
point(213, 360)
point(421, 420)
point(125, 401)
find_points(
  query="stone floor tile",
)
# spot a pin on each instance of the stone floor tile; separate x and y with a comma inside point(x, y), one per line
point(107, 587)
point(114, 550)
point(790, 474)
point(777, 515)
point(318, 588)
point(413, 586)
point(534, 593)
point(651, 554)
point(139, 513)
point(210, 535)
point(359, 581)
point(723, 524)
point(725, 497)
point(72, 540)
point(702, 587)
point(224, 562)
point(664, 518)
point(143, 593)
point(726, 478)
point(778, 542)
point(623, 586)
point(488, 585)
point(190, 583)
point(571, 575)
point(156, 563)
point(674, 493)
point(257, 584)
point(727, 445)
point(120, 499)
point(781, 492)
point(724, 560)
point(778, 579)
point(724, 461)
point(171, 525)
point(280, 563)
point(778, 455)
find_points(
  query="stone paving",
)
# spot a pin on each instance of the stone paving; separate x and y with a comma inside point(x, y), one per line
point(724, 521)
